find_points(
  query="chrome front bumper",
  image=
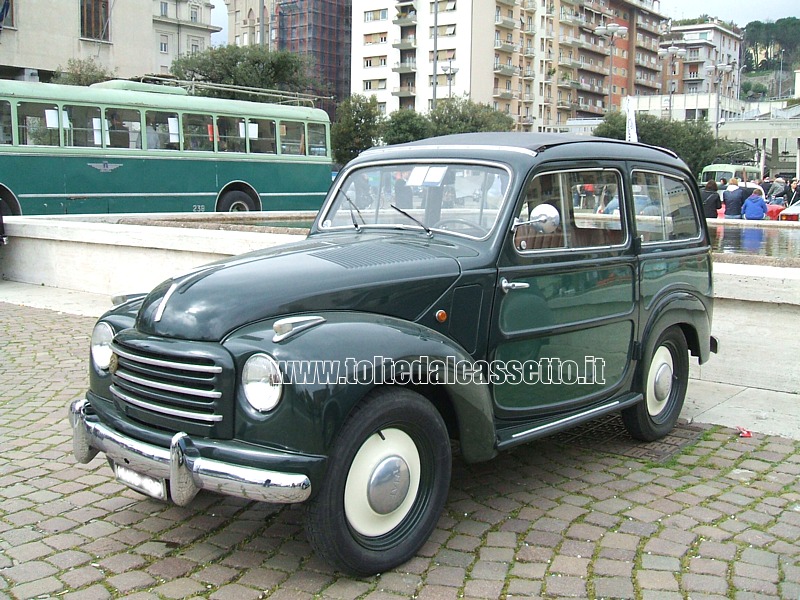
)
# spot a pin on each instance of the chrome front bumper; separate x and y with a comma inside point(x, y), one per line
point(181, 467)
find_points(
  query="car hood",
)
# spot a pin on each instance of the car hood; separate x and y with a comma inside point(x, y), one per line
point(383, 274)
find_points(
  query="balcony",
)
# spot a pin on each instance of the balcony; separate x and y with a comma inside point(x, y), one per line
point(564, 104)
point(406, 19)
point(648, 83)
point(527, 120)
point(529, 5)
point(407, 66)
point(652, 28)
point(507, 2)
point(572, 18)
point(529, 51)
point(692, 59)
point(503, 93)
point(527, 98)
point(506, 46)
point(408, 43)
point(568, 40)
point(548, 34)
point(405, 4)
point(594, 68)
point(509, 70)
point(505, 22)
point(567, 83)
point(528, 74)
point(591, 108)
point(405, 91)
point(529, 30)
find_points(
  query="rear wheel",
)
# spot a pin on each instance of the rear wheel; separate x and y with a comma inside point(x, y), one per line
point(385, 486)
point(236, 201)
point(664, 383)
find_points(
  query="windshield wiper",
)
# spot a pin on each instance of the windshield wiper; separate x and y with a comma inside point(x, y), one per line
point(352, 205)
point(417, 221)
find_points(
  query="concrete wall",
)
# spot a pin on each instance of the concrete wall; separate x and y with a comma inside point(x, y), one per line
point(755, 318)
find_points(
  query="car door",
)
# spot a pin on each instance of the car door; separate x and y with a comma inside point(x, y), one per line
point(565, 310)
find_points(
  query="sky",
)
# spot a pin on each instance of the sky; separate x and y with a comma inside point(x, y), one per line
point(740, 12)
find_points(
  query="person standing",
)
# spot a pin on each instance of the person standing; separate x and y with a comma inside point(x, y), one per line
point(754, 208)
point(711, 200)
point(793, 195)
point(734, 196)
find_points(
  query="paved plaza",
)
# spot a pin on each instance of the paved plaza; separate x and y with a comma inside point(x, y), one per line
point(713, 516)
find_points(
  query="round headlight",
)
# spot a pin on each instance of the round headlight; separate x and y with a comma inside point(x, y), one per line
point(262, 382)
point(102, 334)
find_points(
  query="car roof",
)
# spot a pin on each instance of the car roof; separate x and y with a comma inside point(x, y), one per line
point(529, 143)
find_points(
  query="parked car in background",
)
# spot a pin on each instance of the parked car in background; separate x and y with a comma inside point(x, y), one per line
point(461, 291)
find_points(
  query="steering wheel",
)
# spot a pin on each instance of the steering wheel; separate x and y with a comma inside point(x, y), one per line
point(469, 225)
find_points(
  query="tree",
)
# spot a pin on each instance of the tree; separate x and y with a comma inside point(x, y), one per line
point(692, 141)
point(248, 66)
point(82, 72)
point(461, 115)
point(357, 127)
point(406, 125)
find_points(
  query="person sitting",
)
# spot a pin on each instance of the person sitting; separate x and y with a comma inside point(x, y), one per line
point(754, 208)
point(118, 135)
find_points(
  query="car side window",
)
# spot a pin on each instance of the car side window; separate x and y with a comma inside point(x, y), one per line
point(587, 204)
point(664, 210)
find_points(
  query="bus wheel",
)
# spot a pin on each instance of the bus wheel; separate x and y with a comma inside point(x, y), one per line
point(236, 202)
point(386, 483)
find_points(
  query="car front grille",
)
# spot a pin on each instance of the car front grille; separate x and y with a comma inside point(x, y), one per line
point(173, 391)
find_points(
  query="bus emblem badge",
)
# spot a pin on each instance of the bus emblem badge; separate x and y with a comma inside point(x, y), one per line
point(104, 167)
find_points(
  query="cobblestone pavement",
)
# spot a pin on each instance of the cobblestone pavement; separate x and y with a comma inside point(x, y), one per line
point(720, 519)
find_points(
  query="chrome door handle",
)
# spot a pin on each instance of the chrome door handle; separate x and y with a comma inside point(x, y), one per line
point(507, 285)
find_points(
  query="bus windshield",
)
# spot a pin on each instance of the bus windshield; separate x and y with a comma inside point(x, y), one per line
point(124, 146)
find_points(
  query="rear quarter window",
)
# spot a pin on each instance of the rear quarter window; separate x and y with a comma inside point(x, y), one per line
point(664, 210)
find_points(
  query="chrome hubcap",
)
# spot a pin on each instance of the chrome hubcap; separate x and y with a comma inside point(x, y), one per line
point(663, 383)
point(388, 486)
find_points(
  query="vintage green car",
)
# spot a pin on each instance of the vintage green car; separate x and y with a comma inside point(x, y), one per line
point(472, 292)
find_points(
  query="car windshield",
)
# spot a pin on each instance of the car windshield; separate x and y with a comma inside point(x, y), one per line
point(464, 199)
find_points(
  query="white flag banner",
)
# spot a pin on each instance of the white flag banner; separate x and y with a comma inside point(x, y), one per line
point(630, 121)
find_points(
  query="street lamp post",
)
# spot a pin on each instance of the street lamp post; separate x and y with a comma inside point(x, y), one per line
point(718, 72)
point(673, 52)
point(450, 72)
point(780, 77)
point(611, 31)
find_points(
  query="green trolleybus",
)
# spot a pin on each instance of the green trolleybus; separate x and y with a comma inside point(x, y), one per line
point(125, 146)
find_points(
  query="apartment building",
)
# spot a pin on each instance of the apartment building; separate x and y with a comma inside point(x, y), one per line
point(128, 38)
point(540, 61)
point(319, 29)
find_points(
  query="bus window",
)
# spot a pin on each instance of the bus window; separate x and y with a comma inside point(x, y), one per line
point(317, 140)
point(198, 132)
point(124, 128)
point(37, 124)
point(293, 139)
point(230, 131)
point(82, 126)
point(161, 130)
point(262, 136)
point(5, 122)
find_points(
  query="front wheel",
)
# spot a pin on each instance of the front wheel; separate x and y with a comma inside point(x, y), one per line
point(385, 486)
point(664, 382)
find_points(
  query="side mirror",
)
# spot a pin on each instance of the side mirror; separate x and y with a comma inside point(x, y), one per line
point(545, 218)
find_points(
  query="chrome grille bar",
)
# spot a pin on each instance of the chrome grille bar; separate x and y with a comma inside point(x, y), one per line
point(167, 387)
point(173, 412)
point(157, 362)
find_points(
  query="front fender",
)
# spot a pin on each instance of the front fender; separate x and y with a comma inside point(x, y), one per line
point(329, 368)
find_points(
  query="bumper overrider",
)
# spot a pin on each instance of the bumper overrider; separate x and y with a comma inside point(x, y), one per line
point(180, 470)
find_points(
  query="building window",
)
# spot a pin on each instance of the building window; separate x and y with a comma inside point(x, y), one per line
point(164, 44)
point(193, 14)
point(376, 15)
point(164, 9)
point(95, 20)
point(6, 14)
